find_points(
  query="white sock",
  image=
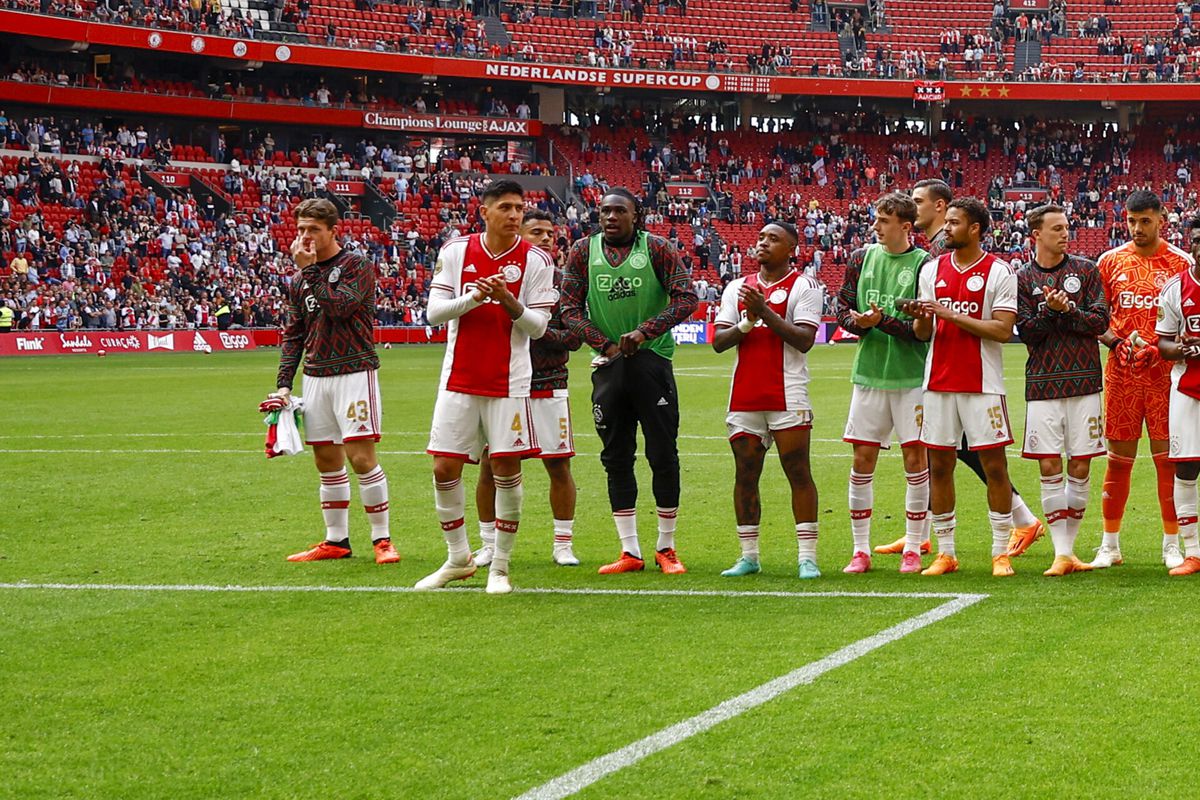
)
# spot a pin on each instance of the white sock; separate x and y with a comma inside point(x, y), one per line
point(916, 510)
point(626, 520)
point(1171, 538)
point(335, 506)
point(748, 539)
point(943, 528)
point(564, 531)
point(509, 494)
point(373, 490)
point(1185, 510)
point(1022, 517)
point(450, 500)
point(1002, 525)
point(1112, 540)
point(862, 499)
point(487, 532)
point(806, 541)
point(1078, 490)
point(666, 527)
point(1054, 507)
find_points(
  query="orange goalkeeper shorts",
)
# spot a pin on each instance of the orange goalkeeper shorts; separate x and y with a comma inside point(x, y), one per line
point(1132, 399)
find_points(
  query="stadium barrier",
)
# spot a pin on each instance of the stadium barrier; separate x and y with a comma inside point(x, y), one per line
point(44, 343)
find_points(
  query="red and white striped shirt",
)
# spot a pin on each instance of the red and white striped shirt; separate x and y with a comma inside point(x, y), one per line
point(959, 361)
point(1178, 316)
point(486, 354)
point(769, 374)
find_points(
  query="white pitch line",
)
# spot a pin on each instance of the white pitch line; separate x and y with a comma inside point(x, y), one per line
point(584, 776)
point(206, 587)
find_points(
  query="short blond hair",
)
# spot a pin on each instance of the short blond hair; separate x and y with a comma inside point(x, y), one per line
point(319, 209)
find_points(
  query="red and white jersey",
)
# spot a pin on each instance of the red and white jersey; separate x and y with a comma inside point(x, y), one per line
point(959, 361)
point(768, 374)
point(1178, 316)
point(486, 354)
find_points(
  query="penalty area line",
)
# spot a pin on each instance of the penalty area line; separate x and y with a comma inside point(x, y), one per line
point(581, 777)
point(578, 779)
point(234, 588)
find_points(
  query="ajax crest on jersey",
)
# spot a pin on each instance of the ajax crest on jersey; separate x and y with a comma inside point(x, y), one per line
point(511, 273)
point(335, 274)
point(639, 261)
point(1072, 284)
point(778, 296)
point(975, 283)
point(905, 278)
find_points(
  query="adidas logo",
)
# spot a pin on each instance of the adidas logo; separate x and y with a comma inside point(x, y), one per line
point(940, 285)
point(1037, 290)
point(1122, 277)
point(362, 428)
point(662, 401)
point(1189, 302)
point(518, 442)
point(470, 268)
point(562, 445)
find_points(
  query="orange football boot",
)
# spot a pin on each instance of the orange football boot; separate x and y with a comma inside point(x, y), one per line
point(1063, 565)
point(897, 547)
point(320, 552)
point(1027, 536)
point(1190, 566)
point(385, 553)
point(668, 562)
point(943, 564)
point(1080, 566)
point(628, 562)
point(1002, 567)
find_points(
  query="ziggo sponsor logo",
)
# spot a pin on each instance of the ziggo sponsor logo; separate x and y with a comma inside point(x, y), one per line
point(969, 307)
point(1135, 300)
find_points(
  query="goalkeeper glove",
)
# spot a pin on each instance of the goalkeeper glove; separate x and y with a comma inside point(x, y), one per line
point(1123, 351)
point(1146, 357)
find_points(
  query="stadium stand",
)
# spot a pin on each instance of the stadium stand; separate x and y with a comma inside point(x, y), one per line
point(1083, 40)
point(91, 235)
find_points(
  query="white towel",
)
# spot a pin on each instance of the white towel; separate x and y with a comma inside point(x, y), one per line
point(283, 438)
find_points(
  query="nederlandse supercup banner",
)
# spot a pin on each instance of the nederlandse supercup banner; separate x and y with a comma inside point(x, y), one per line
point(44, 343)
point(691, 332)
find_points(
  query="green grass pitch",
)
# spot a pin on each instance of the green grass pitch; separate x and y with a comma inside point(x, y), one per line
point(148, 471)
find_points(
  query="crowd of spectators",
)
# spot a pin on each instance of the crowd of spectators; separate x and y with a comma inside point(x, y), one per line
point(128, 258)
point(1147, 56)
point(1089, 169)
point(88, 244)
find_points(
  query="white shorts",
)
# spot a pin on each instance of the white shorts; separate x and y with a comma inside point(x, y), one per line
point(982, 417)
point(876, 413)
point(552, 422)
point(465, 424)
point(1184, 424)
point(1072, 424)
point(760, 424)
point(342, 408)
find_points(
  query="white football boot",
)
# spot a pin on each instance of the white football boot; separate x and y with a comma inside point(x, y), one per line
point(445, 574)
point(1172, 555)
point(564, 556)
point(498, 582)
point(1107, 556)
